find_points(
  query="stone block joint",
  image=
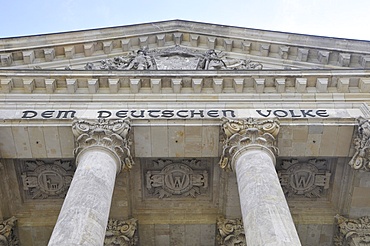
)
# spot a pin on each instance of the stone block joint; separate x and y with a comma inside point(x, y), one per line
point(243, 134)
point(111, 135)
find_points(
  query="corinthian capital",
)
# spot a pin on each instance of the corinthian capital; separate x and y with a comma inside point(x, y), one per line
point(352, 231)
point(7, 235)
point(361, 159)
point(110, 134)
point(244, 133)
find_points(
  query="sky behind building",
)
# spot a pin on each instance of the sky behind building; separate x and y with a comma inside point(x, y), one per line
point(333, 18)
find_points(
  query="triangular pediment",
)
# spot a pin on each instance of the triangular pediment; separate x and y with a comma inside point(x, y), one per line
point(182, 45)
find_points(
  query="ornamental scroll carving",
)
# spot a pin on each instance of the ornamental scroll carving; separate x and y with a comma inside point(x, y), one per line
point(43, 180)
point(244, 132)
point(121, 233)
point(230, 232)
point(307, 179)
point(7, 232)
point(177, 179)
point(111, 134)
point(361, 159)
point(174, 58)
point(352, 232)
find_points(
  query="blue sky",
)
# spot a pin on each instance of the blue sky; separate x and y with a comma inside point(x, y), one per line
point(333, 18)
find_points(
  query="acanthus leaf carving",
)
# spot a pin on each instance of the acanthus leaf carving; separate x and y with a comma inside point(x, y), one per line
point(8, 236)
point(121, 232)
point(352, 231)
point(243, 132)
point(361, 159)
point(111, 134)
point(307, 179)
point(177, 179)
point(41, 180)
point(230, 232)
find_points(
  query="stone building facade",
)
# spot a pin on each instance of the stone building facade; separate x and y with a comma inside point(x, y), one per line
point(184, 133)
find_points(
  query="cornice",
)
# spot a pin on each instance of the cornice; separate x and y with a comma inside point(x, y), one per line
point(90, 43)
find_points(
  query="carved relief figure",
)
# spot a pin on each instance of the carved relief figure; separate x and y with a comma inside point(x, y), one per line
point(352, 231)
point(121, 233)
point(43, 180)
point(360, 159)
point(230, 232)
point(174, 58)
point(7, 235)
point(176, 179)
point(307, 179)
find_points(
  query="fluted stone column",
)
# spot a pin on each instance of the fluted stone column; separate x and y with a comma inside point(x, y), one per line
point(102, 151)
point(249, 150)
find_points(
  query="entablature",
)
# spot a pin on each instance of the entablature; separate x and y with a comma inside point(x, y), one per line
point(329, 84)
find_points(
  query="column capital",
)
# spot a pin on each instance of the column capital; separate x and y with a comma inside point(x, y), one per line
point(244, 134)
point(361, 159)
point(109, 135)
point(7, 235)
point(230, 232)
point(121, 232)
point(352, 231)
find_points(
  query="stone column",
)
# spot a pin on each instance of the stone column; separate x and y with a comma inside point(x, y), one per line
point(102, 151)
point(249, 150)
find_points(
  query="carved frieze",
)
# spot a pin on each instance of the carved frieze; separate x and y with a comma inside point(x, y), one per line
point(111, 134)
point(230, 232)
point(307, 179)
point(42, 180)
point(177, 179)
point(352, 232)
point(243, 132)
point(8, 236)
point(361, 159)
point(121, 232)
point(174, 58)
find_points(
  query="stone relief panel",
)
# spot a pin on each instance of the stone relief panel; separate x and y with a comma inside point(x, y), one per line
point(121, 232)
point(304, 179)
point(42, 179)
point(174, 58)
point(176, 179)
point(8, 236)
point(230, 232)
point(361, 159)
point(352, 232)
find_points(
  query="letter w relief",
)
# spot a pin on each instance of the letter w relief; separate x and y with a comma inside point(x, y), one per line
point(302, 180)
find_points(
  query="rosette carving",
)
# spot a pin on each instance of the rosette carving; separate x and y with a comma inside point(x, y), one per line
point(7, 233)
point(111, 134)
point(230, 232)
point(244, 132)
point(121, 232)
point(361, 159)
point(352, 231)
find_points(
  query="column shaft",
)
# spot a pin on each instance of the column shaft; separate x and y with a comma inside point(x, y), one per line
point(84, 216)
point(266, 216)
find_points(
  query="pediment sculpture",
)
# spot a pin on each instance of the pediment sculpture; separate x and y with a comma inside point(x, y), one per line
point(174, 58)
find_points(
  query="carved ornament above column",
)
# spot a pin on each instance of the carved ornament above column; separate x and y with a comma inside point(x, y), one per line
point(361, 159)
point(121, 232)
point(243, 133)
point(110, 134)
point(309, 178)
point(352, 232)
point(7, 234)
point(230, 232)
